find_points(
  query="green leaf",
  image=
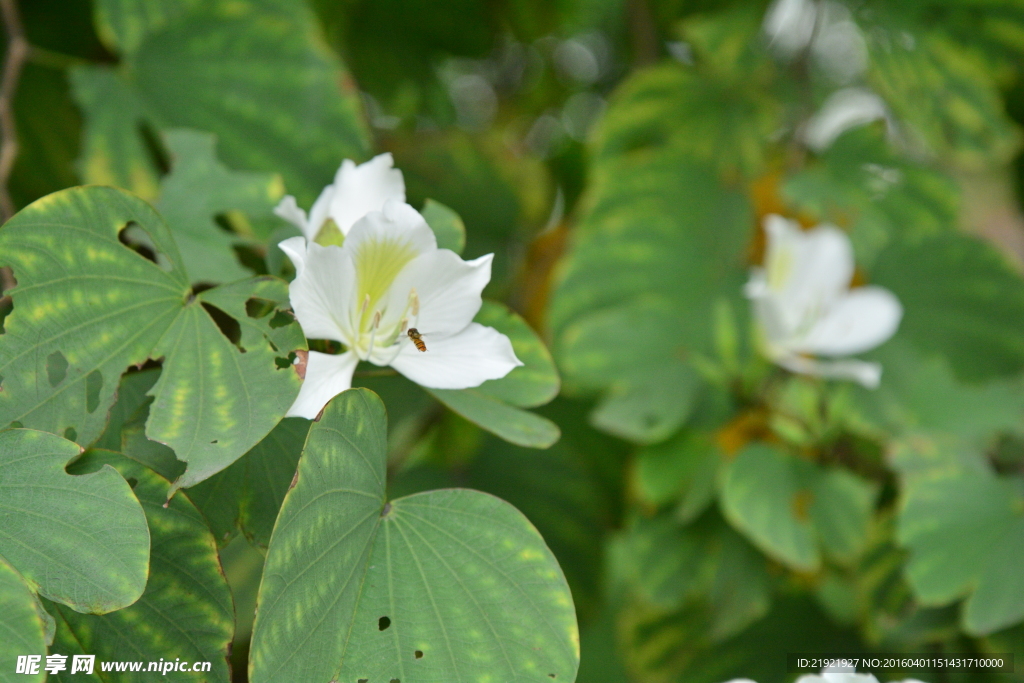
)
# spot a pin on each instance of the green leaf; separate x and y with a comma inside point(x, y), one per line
point(445, 585)
point(684, 468)
point(947, 95)
point(964, 527)
point(248, 494)
point(197, 190)
point(920, 395)
point(516, 426)
point(446, 224)
point(961, 299)
point(859, 183)
point(536, 381)
point(659, 246)
point(186, 611)
point(122, 24)
point(706, 564)
point(214, 399)
point(790, 507)
point(21, 624)
point(79, 540)
point(278, 100)
point(763, 496)
point(113, 152)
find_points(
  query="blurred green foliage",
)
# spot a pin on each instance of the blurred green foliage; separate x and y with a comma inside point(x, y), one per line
point(710, 512)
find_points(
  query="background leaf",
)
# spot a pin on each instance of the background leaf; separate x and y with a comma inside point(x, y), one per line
point(64, 533)
point(21, 624)
point(186, 611)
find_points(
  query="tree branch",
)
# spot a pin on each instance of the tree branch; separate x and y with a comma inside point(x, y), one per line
point(14, 60)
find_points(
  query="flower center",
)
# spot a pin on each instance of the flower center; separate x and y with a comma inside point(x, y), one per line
point(378, 263)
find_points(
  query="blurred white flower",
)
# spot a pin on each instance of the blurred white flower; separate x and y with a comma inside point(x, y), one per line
point(832, 676)
point(356, 191)
point(804, 305)
point(827, 28)
point(386, 278)
point(843, 110)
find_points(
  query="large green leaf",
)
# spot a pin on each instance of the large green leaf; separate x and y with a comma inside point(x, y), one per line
point(254, 73)
point(706, 564)
point(445, 585)
point(85, 309)
point(683, 468)
point(919, 394)
point(446, 224)
point(122, 24)
point(186, 611)
point(197, 190)
point(22, 630)
point(248, 494)
point(860, 184)
point(961, 299)
point(79, 540)
point(659, 246)
point(964, 527)
point(947, 95)
point(792, 508)
point(113, 152)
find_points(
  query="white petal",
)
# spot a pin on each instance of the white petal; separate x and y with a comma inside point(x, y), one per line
point(397, 222)
point(448, 290)
point(465, 360)
point(790, 24)
point(290, 211)
point(364, 188)
point(860, 321)
point(319, 212)
point(326, 377)
point(295, 249)
point(323, 293)
point(867, 374)
point(807, 271)
point(843, 110)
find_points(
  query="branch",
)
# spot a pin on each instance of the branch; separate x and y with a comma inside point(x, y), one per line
point(17, 52)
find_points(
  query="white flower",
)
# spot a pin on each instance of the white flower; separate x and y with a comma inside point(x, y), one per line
point(844, 109)
point(804, 305)
point(387, 277)
point(357, 190)
point(827, 28)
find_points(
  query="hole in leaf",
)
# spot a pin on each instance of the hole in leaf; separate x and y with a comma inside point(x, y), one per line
point(93, 386)
point(154, 146)
point(227, 325)
point(395, 680)
point(56, 368)
point(418, 654)
point(214, 441)
point(132, 482)
point(281, 318)
point(363, 680)
point(283, 362)
point(255, 307)
point(383, 623)
point(135, 237)
point(552, 676)
point(224, 223)
point(70, 434)
point(7, 281)
point(16, 425)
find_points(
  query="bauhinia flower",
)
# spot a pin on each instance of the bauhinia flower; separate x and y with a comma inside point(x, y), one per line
point(386, 279)
point(805, 307)
point(356, 191)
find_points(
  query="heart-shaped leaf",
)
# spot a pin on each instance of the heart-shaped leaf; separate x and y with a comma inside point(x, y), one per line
point(21, 624)
point(79, 540)
point(186, 612)
point(447, 585)
point(86, 309)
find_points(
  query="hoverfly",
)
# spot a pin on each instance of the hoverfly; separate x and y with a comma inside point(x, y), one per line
point(417, 339)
